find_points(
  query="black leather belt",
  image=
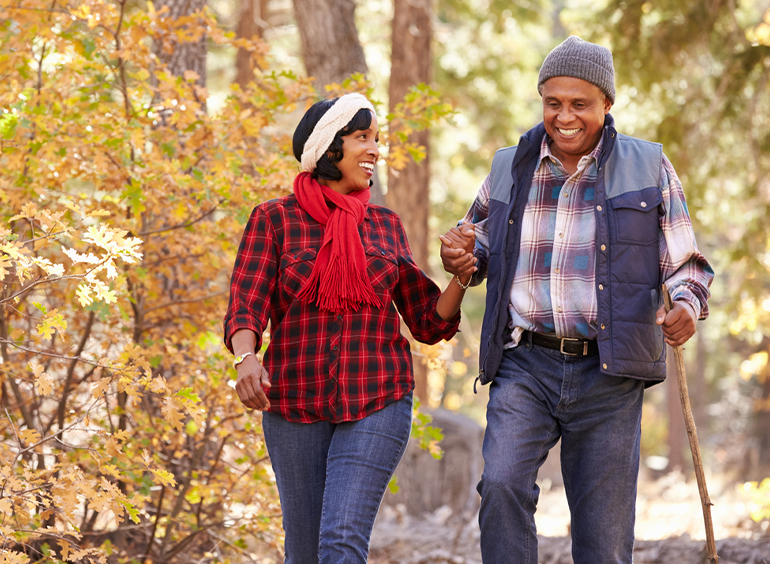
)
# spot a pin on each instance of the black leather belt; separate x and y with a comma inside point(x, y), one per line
point(565, 345)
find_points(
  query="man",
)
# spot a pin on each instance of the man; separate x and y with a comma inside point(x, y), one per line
point(577, 228)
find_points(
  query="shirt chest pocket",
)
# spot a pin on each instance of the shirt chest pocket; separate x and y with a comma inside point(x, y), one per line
point(635, 216)
point(382, 266)
point(296, 267)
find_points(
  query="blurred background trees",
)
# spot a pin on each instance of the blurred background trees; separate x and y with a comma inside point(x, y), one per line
point(135, 138)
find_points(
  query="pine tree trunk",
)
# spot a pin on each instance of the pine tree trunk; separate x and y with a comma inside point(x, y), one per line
point(252, 22)
point(408, 189)
point(329, 40)
point(188, 56)
point(762, 421)
point(408, 193)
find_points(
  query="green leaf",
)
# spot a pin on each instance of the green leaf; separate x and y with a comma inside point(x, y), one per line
point(191, 428)
point(135, 196)
point(188, 394)
point(41, 307)
point(133, 512)
point(8, 123)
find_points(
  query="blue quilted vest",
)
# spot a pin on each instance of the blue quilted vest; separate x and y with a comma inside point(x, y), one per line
point(628, 203)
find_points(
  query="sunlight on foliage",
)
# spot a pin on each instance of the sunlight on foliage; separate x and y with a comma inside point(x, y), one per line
point(759, 499)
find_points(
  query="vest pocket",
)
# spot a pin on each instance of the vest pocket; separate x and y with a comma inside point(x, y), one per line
point(635, 216)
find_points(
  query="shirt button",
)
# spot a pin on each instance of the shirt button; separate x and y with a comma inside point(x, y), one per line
point(556, 270)
point(601, 286)
point(561, 234)
point(604, 366)
point(339, 316)
point(335, 348)
point(644, 204)
point(383, 253)
point(604, 248)
point(602, 325)
point(510, 221)
point(558, 310)
point(566, 194)
point(599, 208)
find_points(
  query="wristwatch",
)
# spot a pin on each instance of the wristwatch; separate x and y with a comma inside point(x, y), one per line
point(240, 358)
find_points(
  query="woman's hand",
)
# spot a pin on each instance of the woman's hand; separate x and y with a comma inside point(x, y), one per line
point(252, 382)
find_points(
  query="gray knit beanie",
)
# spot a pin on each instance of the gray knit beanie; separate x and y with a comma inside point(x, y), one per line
point(580, 59)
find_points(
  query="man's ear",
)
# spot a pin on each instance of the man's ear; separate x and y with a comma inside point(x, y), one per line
point(607, 104)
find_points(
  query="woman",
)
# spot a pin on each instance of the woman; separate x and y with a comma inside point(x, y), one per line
point(329, 271)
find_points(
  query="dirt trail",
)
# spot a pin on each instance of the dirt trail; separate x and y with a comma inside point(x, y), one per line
point(669, 529)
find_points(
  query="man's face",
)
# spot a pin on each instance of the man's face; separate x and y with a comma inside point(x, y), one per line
point(573, 113)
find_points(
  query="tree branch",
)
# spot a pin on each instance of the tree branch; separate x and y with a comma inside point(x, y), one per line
point(187, 223)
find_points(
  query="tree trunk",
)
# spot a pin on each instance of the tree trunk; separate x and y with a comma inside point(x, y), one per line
point(251, 22)
point(408, 189)
point(762, 421)
point(329, 40)
point(411, 64)
point(187, 56)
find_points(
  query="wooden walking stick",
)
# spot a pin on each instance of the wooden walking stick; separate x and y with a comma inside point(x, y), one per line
point(689, 422)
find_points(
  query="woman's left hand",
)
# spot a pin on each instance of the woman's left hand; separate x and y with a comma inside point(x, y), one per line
point(252, 382)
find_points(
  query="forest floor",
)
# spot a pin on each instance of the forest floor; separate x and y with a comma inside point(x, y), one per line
point(669, 529)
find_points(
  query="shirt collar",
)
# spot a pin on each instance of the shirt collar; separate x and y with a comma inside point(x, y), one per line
point(545, 152)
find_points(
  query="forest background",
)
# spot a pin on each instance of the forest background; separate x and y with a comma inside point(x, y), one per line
point(135, 139)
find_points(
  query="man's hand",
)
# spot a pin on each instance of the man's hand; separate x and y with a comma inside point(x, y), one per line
point(252, 382)
point(678, 324)
point(457, 250)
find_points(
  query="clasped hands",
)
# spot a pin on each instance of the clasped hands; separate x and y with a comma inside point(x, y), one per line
point(457, 256)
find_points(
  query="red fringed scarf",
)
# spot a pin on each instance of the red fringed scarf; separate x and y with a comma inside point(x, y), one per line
point(340, 280)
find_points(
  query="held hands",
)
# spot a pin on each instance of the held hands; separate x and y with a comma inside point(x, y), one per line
point(252, 382)
point(457, 251)
point(678, 324)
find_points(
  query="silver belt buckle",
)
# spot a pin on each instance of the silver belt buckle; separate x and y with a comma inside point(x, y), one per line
point(562, 351)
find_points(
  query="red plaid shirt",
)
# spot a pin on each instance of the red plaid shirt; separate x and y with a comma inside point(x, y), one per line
point(323, 365)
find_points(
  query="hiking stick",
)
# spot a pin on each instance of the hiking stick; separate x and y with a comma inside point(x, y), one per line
point(689, 423)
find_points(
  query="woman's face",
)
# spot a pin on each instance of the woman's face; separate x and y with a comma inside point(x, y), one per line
point(359, 156)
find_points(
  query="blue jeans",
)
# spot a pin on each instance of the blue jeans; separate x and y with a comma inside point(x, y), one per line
point(538, 396)
point(331, 479)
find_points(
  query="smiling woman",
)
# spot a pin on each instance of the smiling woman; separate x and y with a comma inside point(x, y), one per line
point(331, 272)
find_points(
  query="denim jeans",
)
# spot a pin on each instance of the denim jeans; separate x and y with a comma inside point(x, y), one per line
point(538, 396)
point(331, 479)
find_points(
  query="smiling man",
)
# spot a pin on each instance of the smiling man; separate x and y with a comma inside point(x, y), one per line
point(577, 227)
